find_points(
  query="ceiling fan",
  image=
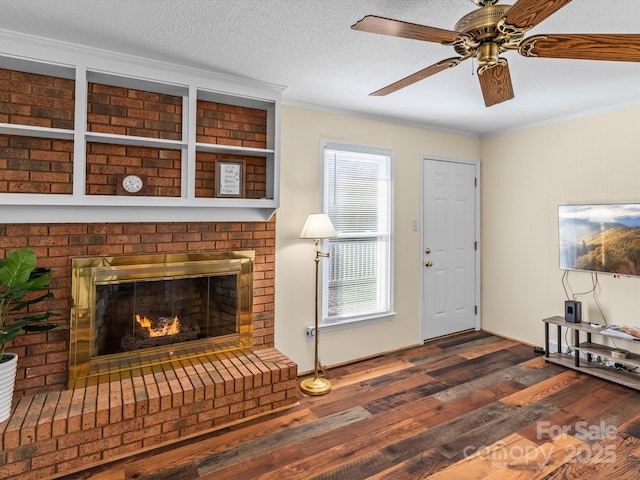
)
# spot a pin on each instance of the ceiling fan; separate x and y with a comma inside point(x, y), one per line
point(493, 29)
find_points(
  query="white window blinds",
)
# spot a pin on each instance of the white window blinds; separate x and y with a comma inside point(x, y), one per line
point(357, 187)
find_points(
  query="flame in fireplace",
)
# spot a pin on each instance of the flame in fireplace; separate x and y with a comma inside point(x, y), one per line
point(162, 329)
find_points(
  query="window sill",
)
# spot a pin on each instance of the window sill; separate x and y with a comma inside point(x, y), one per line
point(356, 322)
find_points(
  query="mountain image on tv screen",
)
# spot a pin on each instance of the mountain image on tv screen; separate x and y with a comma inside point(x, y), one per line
point(600, 238)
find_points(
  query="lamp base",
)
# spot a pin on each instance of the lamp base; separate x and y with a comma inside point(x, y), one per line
point(315, 386)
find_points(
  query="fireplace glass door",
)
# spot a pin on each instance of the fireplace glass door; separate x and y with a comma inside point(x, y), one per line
point(145, 314)
point(136, 312)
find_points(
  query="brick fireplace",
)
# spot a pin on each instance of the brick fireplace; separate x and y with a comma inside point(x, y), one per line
point(57, 427)
point(44, 356)
point(54, 429)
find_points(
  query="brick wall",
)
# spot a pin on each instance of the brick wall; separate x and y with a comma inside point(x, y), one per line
point(35, 165)
point(161, 166)
point(125, 111)
point(231, 125)
point(43, 357)
point(38, 100)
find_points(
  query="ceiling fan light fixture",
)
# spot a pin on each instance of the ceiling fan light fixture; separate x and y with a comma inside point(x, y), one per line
point(487, 55)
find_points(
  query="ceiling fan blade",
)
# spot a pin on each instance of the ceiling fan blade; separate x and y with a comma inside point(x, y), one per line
point(612, 47)
point(397, 28)
point(528, 13)
point(416, 77)
point(495, 83)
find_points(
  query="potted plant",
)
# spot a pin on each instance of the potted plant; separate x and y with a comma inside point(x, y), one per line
point(19, 278)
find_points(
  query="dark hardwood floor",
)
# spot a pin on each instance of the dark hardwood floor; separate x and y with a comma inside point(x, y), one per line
point(471, 406)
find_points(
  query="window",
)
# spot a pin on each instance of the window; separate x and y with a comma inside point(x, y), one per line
point(357, 197)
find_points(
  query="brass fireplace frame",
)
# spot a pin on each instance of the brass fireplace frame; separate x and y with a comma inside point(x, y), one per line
point(88, 272)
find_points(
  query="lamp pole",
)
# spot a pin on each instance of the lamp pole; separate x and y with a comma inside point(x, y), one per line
point(316, 385)
point(317, 226)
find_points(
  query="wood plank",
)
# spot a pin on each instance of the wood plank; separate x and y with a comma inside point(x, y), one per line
point(614, 458)
point(488, 423)
point(343, 398)
point(491, 429)
point(631, 427)
point(537, 362)
point(541, 390)
point(223, 440)
point(447, 348)
point(465, 338)
point(322, 459)
point(267, 444)
point(536, 463)
point(597, 399)
point(539, 432)
point(482, 462)
point(467, 370)
point(367, 374)
point(178, 472)
point(422, 465)
point(524, 376)
point(490, 348)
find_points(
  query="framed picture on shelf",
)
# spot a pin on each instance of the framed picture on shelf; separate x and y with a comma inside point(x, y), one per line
point(230, 179)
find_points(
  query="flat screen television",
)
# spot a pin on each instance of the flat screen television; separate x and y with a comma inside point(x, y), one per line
point(600, 238)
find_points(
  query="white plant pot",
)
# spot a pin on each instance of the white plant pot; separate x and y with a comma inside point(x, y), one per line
point(7, 380)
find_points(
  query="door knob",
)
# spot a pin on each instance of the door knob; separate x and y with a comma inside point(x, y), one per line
point(427, 250)
point(428, 264)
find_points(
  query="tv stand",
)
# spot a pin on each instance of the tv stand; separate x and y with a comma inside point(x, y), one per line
point(593, 351)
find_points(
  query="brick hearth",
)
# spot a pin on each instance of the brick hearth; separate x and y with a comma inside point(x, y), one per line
point(51, 434)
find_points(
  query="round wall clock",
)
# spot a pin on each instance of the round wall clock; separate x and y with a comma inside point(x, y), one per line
point(132, 183)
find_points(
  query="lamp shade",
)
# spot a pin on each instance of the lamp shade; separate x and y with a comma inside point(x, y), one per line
point(318, 225)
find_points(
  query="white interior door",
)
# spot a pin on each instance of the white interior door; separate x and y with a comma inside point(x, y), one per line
point(449, 297)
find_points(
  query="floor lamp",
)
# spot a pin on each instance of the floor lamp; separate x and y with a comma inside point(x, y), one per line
point(317, 226)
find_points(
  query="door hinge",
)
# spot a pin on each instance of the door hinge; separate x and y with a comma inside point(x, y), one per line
point(475, 182)
point(476, 309)
point(475, 245)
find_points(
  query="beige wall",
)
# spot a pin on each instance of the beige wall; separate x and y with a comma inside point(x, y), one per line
point(525, 176)
point(302, 132)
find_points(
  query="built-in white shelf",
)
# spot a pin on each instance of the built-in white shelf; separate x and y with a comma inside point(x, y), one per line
point(85, 65)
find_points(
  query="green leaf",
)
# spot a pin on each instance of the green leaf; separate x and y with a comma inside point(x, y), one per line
point(11, 331)
point(26, 303)
point(43, 327)
point(18, 267)
point(19, 277)
point(35, 318)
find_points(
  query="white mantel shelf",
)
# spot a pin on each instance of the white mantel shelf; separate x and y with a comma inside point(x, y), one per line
point(131, 213)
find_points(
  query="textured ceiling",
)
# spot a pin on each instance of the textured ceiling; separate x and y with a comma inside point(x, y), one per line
point(308, 47)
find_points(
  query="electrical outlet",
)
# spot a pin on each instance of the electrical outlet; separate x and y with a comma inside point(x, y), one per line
point(311, 331)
